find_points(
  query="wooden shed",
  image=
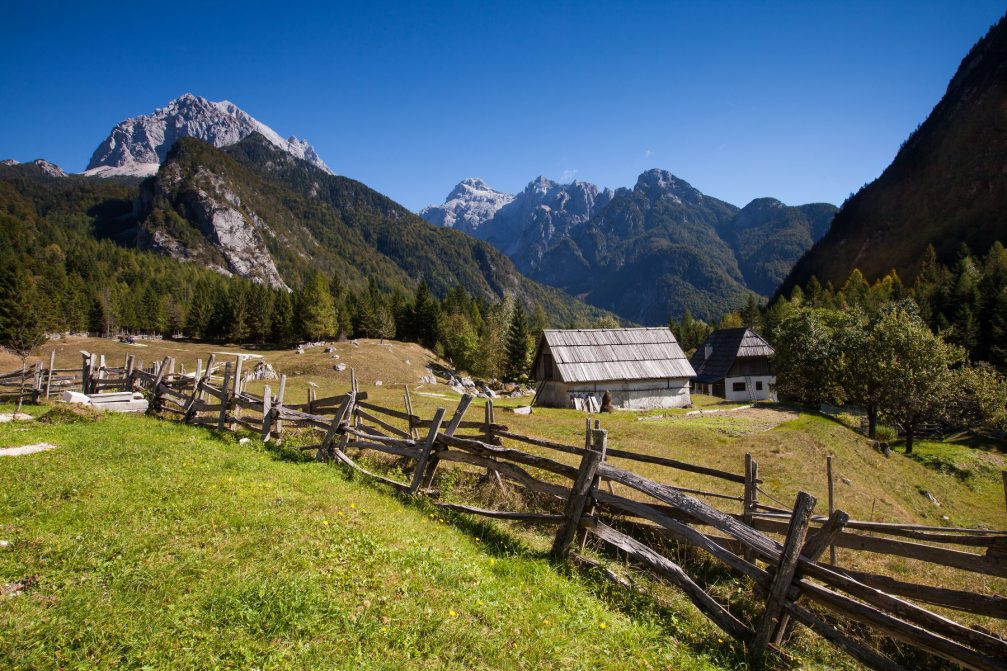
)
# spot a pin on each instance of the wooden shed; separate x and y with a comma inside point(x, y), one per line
point(734, 364)
point(640, 367)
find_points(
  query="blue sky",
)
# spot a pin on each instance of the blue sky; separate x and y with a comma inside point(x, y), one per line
point(802, 101)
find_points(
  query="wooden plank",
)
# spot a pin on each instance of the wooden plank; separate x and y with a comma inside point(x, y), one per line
point(425, 450)
point(907, 632)
point(401, 486)
point(580, 495)
point(670, 570)
point(988, 605)
point(813, 548)
point(382, 447)
point(510, 454)
point(938, 624)
point(278, 423)
point(510, 471)
point(866, 656)
point(383, 424)
point(706, 514)
point(823, 536)
point(832, 503)
point(967, 561)
point(784, 575)
point(398, 414)
point(501, 514)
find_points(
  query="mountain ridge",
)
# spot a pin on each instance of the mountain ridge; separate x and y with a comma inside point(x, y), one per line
point(591, 241)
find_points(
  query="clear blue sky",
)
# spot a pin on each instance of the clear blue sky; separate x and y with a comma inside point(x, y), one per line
point(803, 101)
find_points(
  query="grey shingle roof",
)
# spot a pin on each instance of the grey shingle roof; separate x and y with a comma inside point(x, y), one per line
point(726, 346)
point(596, 355)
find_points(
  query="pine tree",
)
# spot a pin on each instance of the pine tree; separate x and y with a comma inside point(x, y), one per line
point(518, 346)
point(21, 327)
point(315, 310)
point(282, 320)
point(425, 316)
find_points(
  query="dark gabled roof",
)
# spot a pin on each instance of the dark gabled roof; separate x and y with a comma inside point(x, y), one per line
point(597, 355)
point(726, 346)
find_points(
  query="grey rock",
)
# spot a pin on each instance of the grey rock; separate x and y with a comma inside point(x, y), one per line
point(138, 145)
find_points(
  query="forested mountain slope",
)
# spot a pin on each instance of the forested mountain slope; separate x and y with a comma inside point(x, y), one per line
point(945, 187)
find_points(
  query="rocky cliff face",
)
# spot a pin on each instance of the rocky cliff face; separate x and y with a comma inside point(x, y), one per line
point(469, 205)
point(138, 145)
point(232, 234)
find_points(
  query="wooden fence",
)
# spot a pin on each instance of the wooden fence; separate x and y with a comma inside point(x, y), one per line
point(788, 574)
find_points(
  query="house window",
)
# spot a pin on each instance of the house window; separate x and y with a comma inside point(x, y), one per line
point(758, 385)
point(738, 386)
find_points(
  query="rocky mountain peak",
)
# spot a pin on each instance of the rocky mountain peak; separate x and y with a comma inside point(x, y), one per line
point(138, 145)
point(469, 205)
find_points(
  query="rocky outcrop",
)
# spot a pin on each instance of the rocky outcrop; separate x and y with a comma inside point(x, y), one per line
point(138, 145)
point(232, 235)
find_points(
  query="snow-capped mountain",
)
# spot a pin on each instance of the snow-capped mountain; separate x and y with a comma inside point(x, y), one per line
point(138, 145)
point(469, 205)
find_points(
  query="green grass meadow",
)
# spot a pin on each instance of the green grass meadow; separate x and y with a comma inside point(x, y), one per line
point(144, 544)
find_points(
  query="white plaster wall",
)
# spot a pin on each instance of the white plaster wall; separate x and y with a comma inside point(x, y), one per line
point(643, 394)
point(767, 392)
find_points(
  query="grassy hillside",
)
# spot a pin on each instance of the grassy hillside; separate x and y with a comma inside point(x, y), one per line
point(141, 543)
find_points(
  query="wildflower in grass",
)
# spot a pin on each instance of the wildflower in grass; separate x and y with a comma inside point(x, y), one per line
point(545, 621)
point(353, 505)
point(602, 626)
point(452, 613)
point(325, 522)
point(720, 641)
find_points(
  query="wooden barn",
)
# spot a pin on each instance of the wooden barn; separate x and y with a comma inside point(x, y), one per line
point(734, 365)
point(640, 367)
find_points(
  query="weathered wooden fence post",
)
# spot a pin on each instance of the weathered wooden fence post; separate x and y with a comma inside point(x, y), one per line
point(413, 433)
point(155, 389)
point(343, 414)
point(748, 505)
point(236, 413)
point(783, 575)
point(48, 381)
point(130, 364)
point(596, 482)
point(813, 548)
point(580, 494)
point(278, 423)
point(425, 450)
point(267, 413)
point(832, 503)
point(224, 395)
point(85, 369)
point(456, 420)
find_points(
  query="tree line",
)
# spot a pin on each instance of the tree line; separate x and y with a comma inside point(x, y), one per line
point(932, 352)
